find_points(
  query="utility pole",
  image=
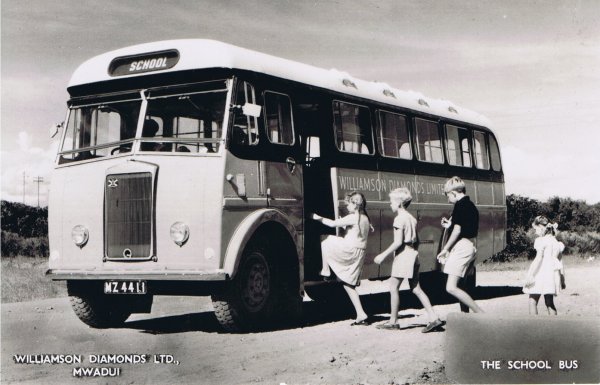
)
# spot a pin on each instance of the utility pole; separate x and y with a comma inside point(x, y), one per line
point(38, 180)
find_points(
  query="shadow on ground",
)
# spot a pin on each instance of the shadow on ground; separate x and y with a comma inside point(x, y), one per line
point(315, 313)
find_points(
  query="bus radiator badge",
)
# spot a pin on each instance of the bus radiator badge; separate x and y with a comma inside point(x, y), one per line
point(113, 183)
point(127, 253)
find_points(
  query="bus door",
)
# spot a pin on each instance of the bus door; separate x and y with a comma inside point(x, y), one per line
point(318, 198)
point(282, 170)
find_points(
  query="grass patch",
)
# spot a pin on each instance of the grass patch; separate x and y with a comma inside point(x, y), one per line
point(23, 279)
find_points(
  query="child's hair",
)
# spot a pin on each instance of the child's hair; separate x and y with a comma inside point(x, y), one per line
point(402, 195)
point(455, 184)
point(550, 227)
point(359, 200)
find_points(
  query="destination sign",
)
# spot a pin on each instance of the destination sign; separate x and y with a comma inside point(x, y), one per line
point(152, 61)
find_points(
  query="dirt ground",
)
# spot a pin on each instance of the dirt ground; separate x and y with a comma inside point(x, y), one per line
point(324, 349)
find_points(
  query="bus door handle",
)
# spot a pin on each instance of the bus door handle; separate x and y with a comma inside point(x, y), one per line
point(291, 164)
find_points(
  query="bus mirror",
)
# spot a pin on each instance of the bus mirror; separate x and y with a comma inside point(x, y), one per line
point(313, 147)
point(55, 128)
point(251, 110)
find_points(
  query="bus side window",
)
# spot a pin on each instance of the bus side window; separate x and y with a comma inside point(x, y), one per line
point(393, 136)
point(457, 146)
point(480, 150)
point(278, 118)
point(495, 154)
point(429, 143)
point(245, 127)
point(352, 126)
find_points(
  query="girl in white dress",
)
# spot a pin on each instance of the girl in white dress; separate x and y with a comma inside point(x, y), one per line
point(543, 276)
point(345, 255)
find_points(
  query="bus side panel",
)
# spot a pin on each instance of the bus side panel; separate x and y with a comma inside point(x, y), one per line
point(499, 218)
point(431, 205)
point(238, 200)
point(484, 199)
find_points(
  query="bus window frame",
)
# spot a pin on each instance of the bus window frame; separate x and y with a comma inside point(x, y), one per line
point(334, 128)
point(443, 162)
point(492, 136)
point(165, 94)
point(98, 100)
point(409, 134)
point(485, 145)
point(266, 126)
point(241, 82)
point(469, 143)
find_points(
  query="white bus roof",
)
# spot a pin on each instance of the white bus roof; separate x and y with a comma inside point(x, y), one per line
point(201, 53)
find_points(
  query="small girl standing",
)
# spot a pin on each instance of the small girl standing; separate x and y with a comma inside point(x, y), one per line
point(345, 255)
point(543, 276)
point(406, 261)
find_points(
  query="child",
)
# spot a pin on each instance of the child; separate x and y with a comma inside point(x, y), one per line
point(406, 261)
point(459, 251)
point(345, 255)
point(544, 274)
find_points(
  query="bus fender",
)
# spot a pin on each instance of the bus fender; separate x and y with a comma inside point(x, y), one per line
point(246, 230)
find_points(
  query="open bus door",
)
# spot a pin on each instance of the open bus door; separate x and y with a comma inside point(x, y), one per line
point(318, 198)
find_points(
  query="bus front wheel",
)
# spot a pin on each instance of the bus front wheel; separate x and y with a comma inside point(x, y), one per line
point(248, 301)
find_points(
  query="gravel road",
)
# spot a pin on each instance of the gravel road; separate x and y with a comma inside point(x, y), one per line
point(325, 349)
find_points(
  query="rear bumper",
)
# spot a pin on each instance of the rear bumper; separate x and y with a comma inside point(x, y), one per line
point(171, 275)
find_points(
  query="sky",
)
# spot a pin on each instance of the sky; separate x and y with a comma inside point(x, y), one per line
point(531, 67)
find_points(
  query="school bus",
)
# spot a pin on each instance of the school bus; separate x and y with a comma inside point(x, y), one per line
point(189, 167)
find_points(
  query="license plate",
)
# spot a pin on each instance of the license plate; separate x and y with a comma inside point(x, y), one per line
point(125, 287)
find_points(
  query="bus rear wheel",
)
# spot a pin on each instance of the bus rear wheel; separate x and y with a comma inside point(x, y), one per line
point(248, 301)
point(95, 308)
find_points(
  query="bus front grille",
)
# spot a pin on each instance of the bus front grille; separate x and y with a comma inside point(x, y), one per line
point(128, 216)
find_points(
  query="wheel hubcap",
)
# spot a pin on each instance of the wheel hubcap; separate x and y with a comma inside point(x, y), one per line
point(256, 289)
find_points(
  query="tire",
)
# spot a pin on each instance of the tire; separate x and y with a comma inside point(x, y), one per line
point(248, 302)
point(94, 308)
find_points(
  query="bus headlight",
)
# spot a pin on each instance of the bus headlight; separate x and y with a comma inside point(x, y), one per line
point(180, 232)
point(80, 235)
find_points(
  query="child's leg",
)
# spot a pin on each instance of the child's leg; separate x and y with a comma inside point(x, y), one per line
point(549, 299)
point(355, 299)
point(416, 289)
point(462, 296)
point(533, 301)
point(394, 298)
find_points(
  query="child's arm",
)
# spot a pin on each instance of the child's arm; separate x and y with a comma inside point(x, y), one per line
point(533, 269)
point(451, 241)
point(398, 241)
point(348, 220)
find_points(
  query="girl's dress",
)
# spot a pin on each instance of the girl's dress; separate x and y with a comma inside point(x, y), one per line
point(345, 255)
point(545, 278)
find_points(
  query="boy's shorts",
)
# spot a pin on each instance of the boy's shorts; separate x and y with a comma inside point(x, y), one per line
point(406, 264)
point(461, 254)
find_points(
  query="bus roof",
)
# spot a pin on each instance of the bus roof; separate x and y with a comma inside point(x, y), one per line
point(202, 53)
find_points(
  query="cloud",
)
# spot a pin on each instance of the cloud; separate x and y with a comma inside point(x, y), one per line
point(541, 177)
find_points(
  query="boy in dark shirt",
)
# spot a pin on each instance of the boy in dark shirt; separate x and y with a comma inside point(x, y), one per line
point(459, 251)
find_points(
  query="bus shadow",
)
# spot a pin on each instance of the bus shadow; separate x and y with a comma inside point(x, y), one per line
point(377, 305)
point(182, 323)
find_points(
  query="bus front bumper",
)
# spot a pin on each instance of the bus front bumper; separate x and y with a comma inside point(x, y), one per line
point(171, 275)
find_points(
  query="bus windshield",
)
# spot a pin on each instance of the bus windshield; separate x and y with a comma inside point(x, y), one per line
point(185, 120)
point(101, 126)
point(177, 119)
